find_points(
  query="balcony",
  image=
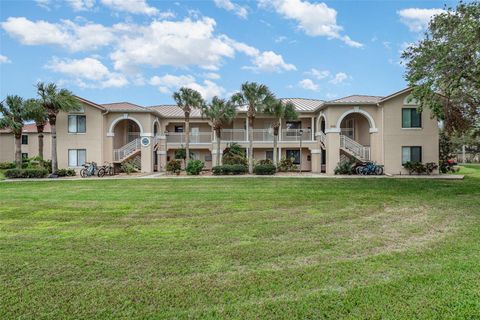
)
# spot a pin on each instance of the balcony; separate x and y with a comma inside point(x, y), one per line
point(266, 135)
point(195, 137)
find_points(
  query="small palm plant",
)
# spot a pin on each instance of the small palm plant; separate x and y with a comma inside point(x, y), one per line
point(220, 112)
point(55, 100)
point(14, 115)
point(257, 98)
point(188, 99)
point(37, 113)
point(279, 111)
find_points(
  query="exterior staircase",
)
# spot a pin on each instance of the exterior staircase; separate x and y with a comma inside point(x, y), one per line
point(322, 137)
point(354, 149)
point(129, 150)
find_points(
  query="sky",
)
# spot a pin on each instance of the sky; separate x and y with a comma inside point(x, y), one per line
point(141, 51)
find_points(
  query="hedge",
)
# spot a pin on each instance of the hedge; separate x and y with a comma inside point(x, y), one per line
point(264, 169)
point(7, 165)
point(25, 173)
point(66, 172)
point(227, 169)
point(194, 167)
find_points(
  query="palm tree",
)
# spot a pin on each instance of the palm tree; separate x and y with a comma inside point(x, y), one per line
point(220, 112)
point(37, 113)
point(188, 99)
point(13, 117)
point(279, 111)
point(55, 100)
point(256, 97)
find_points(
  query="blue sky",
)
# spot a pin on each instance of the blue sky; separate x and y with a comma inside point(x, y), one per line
point(141, 51)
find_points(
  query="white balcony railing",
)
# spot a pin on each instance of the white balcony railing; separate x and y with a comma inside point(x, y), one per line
point(197, 137)
point(262, 135)
point(234, 135)
point(296, 135)
point(322, 137)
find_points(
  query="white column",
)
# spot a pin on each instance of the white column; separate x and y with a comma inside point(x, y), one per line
point(279, 154)
point(247, 129)
point(313, 128)
point(280, 133)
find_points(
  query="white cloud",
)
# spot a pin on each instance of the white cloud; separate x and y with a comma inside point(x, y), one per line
point(211, 75)
point(417, 19)
point(176, 43)
point(4, 59)
point(169, 83)
point(87, 72)
point(228, 5)
point(280, 39)
point(67, 34)
point(319, 74)
point(315, 19)
point(308, 84)
point(269, 61)
point(339, 78)
point(43, 4)
point(131, 6)
point(81, 5)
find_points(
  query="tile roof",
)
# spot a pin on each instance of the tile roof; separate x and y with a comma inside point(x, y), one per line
point(30, 128)
point(123, 106)
point(356, 98)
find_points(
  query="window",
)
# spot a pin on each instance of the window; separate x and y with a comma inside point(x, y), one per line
point(178, 128)
point(24, 139)
point(24, 156)
point(295, 154)
point(77, 124)
point(413, 154)
point(76, 157)
point(411, 118)
point(269, 155)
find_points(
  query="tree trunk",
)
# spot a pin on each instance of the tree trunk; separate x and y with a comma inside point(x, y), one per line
point(217, 132)
point(250, 144)
point(40, 140)
point(275, 147)
point(187, 138)
point(18, 151)
point(53, 122)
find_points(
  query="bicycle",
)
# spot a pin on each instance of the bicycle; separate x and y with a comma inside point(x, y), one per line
point(370, 168)
point(106, 169)
point(89, 169)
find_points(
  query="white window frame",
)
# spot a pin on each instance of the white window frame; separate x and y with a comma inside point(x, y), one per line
point(76, 164)
point(76, 123)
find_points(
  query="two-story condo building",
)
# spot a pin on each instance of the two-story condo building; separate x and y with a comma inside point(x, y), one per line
point(387, 130)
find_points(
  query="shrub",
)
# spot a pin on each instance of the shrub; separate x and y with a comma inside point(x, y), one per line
point(227, 169)
point(66, 173)
point(174, 166)
point(234, 159)
point(129, 166)
point(265, 161)
point(344, 167)
point(286, 165)
point(7, 165)
point(26, 173)
point(264, 169)
point(430, 167)
point(194, 167)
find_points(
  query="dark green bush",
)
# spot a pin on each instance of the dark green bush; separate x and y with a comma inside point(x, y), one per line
point(7, 165)
point(233, 154)
point(66, 173)
point(26, 173)
point(344, 167)
point(264, 169)
point(420, 168)
point(228, 169)
point(265, 161)
point(174, 166)
point(194, 167)
point(287, 165)
point(430, 167)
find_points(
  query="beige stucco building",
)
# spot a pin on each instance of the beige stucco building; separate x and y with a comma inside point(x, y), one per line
point(387, 130)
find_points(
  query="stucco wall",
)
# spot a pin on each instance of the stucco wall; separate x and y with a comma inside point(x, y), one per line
point(7, 147)
point(395, 137)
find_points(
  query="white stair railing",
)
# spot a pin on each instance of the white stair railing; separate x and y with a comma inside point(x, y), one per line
point(321, 136)
point(128, 149)
point(355, 148)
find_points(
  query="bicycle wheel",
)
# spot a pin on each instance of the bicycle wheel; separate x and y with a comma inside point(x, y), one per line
point(83, 173)
point(378, 171)
point(101, 173)
point(358, 170)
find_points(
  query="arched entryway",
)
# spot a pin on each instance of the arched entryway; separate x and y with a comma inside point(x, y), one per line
point(125, 131)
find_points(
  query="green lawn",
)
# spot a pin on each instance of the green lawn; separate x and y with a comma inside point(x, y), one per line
point(241, 248)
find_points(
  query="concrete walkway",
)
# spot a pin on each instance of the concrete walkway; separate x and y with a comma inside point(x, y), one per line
point(304, 175)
